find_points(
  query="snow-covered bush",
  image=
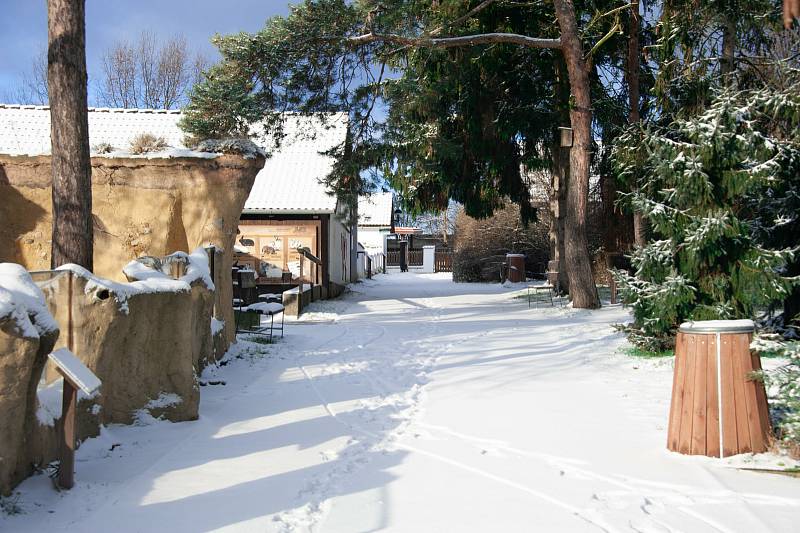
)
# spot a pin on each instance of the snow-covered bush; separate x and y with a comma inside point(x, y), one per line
point(701, 187)
point(784, 385)
point(146, 143)
point(102, 148)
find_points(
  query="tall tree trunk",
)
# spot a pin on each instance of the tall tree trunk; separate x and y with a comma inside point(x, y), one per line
point(69, 134)
point(560, 176)
point(558, 209)
point(576, 246)
point(634, 54)
point(728, 45)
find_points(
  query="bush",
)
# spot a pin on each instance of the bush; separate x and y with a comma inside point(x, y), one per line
point(146, 143)
point(102, 148)
point(784, 385)
point(482, 245)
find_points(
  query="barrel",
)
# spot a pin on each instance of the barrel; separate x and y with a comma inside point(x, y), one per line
point(516, 267)
point(718, 408)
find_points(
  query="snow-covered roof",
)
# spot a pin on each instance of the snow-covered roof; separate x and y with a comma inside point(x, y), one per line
point(375, 209)
point(25, 129)
point(290, 181)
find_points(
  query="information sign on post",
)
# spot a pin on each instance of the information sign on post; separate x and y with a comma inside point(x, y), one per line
point(76, 376)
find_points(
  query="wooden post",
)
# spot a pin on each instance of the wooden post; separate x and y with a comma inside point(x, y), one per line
point(69, 398)
point(612, 284)
point(300, 288)
point(75, 376)
point(66, 471)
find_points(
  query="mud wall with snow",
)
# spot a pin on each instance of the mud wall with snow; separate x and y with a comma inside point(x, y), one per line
point(27, 334)
point(146, 340)
point(141, 205)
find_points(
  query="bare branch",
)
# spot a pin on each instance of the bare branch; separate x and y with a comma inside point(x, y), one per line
point(454, 42)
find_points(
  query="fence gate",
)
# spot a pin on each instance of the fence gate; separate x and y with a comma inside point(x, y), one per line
point(443, 262)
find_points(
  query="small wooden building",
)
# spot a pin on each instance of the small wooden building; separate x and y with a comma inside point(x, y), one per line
point(290, 207)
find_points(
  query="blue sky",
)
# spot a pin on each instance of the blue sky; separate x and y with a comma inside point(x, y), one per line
point(23, 27)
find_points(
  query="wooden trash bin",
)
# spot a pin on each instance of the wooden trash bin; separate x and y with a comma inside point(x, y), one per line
point(516, 267)
point(717, 408)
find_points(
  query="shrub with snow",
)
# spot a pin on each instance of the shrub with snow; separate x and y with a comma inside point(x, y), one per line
point(102, 148)
point(147, 142)
point(784, 385)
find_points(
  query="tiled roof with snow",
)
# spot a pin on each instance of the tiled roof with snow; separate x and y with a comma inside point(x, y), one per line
point(375, 209)
point(290, 181)
point(25, 130)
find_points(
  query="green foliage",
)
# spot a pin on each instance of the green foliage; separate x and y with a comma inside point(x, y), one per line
point(705, 177)
point(784, 384)
point(688, 47)
point(439, 124)
point(635, 351)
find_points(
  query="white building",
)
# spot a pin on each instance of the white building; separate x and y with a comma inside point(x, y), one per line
point(375, 220)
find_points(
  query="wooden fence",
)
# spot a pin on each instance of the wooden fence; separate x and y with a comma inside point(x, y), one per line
point(393, 258)
point(443, 262)
point(415, 258)
point(377, 263)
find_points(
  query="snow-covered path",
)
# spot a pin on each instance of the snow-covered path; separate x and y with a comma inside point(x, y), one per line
point(424, 406)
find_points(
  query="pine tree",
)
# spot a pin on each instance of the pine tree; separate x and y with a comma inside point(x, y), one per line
point(710, 193)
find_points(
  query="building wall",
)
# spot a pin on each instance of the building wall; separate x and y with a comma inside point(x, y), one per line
point(371, 237)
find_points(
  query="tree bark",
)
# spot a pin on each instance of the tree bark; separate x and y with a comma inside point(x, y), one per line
point(728, 46)
point(634, 53)
point(558, 202)
point(69, 134)
point(576, 247)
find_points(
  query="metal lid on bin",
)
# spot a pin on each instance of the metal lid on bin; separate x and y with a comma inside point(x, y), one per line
point(718, 326)
point(515, 255)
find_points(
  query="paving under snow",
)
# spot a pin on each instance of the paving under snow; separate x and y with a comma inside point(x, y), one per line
point(415, 404)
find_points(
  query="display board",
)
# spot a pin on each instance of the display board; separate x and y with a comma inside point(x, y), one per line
point(274, 245)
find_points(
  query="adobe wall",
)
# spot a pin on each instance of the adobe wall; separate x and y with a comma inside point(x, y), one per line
point(27, 334)
point(22, 358)
point(142, 340)
point(141, 206)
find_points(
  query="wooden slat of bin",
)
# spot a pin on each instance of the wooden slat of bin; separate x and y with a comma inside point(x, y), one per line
point(712, 399)
point(730, 441)
point(740, 375)
point(757, 437)
point(685, 434)
point(761, 400)
point(699, 408)
point(673, 433)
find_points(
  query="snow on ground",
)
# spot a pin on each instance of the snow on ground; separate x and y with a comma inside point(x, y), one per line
point(418, 405)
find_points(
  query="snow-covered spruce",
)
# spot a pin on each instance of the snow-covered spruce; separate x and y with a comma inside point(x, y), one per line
point(718, 191)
